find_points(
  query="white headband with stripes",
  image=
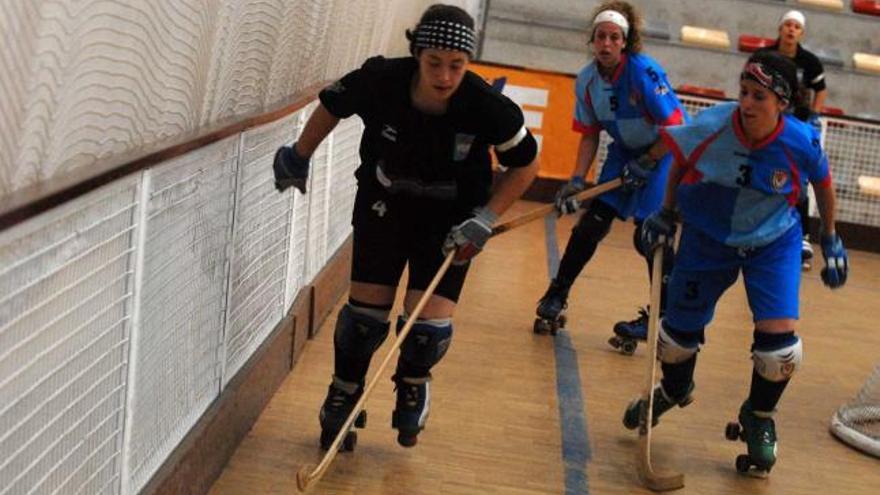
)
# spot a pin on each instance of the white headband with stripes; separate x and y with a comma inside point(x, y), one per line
point(445, 35)
point(613, 17)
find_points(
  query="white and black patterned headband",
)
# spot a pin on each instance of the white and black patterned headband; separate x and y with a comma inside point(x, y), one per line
point(445, 35)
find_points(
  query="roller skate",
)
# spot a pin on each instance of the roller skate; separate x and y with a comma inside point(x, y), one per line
point(758, 431)
point(662, 403)
point(806, 254)
point(411, 411)
point(341, 399)
point(551, 309)
point(627, 334)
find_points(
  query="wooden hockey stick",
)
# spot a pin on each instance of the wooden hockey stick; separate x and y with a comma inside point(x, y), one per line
point(659, 481)
point(309, 474)
point(546, 209)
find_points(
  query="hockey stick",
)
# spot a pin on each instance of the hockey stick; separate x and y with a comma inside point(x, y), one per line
point(309, 474)
point(659, 481)
point(546, 209)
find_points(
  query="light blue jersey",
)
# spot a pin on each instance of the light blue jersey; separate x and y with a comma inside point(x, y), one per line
point(738, 194)
point(631, 107)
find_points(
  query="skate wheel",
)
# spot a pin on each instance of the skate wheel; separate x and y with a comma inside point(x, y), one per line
point(614, 342)
point(562, 321)
point(350, 442)
point(540, 326)
point(743, 463)
point(361, 420)
point(732, 431)
point(629, 347)
point(554, 328)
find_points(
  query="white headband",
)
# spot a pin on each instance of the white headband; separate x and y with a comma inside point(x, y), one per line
point(613, 17)
point(794, 15)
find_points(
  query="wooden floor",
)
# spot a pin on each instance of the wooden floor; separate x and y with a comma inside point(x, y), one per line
point(495, 420)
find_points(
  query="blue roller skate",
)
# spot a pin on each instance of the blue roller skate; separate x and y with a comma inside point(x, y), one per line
point(627, 334)
point(412, 408)
point(341, 399)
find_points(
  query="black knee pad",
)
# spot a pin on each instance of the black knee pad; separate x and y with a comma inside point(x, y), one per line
point(424, 346)
point(594, 224)
point(358, 335)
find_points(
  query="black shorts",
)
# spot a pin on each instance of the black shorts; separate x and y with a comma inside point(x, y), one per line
point(391, 231)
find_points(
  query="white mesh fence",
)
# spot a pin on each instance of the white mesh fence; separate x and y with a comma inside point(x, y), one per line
point(175, 373)
point(65, 315)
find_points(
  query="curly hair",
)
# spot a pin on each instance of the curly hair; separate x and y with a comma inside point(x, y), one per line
point(633, 17)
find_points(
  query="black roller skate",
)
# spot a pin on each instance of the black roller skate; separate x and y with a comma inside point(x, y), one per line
point(662, 403)
point(412, 408)
point(758, 431)
point(627, 334)
point(551, 309)
point(341, 399)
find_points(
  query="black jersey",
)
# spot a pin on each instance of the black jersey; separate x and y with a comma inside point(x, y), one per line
point(810, 73)
point(409, 152)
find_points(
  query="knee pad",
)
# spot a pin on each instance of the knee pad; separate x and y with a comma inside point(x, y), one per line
point(358, 334)
point(675, 346)
point(426, 343)
point(779, 358)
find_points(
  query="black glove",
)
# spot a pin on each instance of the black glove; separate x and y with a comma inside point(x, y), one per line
point(469, 237)
point(636, 172)
point(291, 169)
point(565, 201)
point(836, 262)
point(658, 229)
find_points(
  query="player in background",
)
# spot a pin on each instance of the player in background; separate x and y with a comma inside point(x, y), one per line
point(424, 189)
point(738, 172)
point(626, 94)
point(808, 104)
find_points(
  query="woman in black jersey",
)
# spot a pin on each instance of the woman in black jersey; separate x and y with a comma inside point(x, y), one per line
point(424, 189)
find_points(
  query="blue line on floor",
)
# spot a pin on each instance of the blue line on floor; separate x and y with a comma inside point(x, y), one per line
point(573, 425)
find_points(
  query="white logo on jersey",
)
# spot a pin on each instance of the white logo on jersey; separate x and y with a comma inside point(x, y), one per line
point(389, 133)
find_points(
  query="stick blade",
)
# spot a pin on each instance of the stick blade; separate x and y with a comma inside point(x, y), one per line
point(656, 480)
point(304, 477)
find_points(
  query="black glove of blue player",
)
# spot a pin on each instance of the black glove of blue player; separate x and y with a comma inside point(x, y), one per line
point(468, 238)
point(291, 169)
point(836, 262)
point(635, 173)
point(658, 229)
point(565, 201)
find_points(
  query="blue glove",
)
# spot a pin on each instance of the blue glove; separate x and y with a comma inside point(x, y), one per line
point(291, 169)
point(836, 262)
point(657, 230)
point(565, 201)
point(636, 172)
point(468, 238)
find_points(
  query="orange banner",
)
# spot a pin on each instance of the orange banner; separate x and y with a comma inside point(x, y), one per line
point(547, 101)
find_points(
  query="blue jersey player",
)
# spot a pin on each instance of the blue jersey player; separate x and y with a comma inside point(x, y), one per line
point(739, 170)
point(626, 94)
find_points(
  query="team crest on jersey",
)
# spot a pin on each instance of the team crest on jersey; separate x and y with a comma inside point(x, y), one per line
point(463, 143)
point(779, 180)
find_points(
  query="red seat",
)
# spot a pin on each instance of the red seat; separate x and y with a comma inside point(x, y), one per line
point(701, 91)
point(750, 43)
point(870, 7)
point(832, 110)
